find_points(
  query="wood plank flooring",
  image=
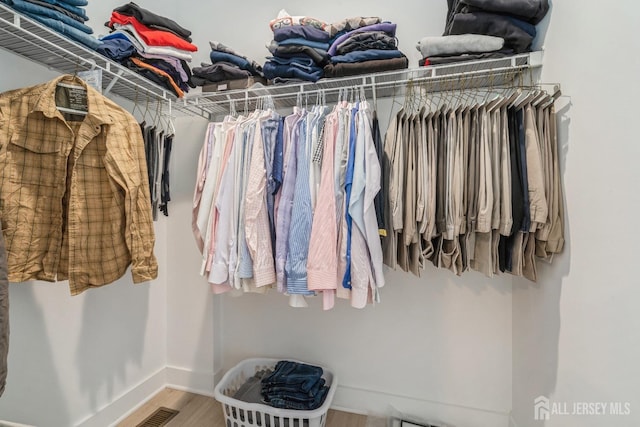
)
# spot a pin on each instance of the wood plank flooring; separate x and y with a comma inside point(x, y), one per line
point(198, 411)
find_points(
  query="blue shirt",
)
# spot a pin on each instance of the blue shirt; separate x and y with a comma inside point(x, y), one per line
point(346, 280)
point(301, 214)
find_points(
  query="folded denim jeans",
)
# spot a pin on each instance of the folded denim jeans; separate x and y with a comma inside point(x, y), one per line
point(71, 6)
point(34, 9)
point(288, 372)
point(217, 56)
point(117, 49)
point(66, 30)
point(79, 18)
point(277, 389)
point(75, 2)
point(284, 403)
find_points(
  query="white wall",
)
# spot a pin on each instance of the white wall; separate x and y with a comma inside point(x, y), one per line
point(438, 347)
point(575, 335)
point(73, 359)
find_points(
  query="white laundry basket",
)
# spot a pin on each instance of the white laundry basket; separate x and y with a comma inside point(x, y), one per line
point(242, 414)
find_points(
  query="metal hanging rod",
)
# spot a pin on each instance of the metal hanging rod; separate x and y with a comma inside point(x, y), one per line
point(458, 76)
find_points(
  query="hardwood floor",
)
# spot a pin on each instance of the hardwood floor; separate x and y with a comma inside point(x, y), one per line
point(198, 411)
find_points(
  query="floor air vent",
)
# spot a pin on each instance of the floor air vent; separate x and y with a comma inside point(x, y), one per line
point(159, 418)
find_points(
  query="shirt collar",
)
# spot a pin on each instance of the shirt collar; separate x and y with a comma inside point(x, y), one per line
point(98, 111)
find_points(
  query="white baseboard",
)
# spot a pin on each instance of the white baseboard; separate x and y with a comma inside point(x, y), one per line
point(368, 402)
point(351, 399)
point(138, 395)
point(127, 402)
point(194, 382)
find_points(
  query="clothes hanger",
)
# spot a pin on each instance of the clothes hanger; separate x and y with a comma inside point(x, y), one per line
point(156, 118)
point(525, 99)
point(76, 87)
point(136, 106)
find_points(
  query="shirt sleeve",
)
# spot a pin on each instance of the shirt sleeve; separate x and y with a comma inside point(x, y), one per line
point(139, 233)
point(257, 232)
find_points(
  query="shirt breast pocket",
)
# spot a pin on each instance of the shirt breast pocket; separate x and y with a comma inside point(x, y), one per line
point(34, 160)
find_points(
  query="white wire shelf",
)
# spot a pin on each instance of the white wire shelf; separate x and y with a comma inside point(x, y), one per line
point(36, 42)
point(517, 69)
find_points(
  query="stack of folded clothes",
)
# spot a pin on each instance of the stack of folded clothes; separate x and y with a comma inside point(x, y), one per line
point(363, 45)
point(66, 17)
point(151, 45)
point(227, 65)
point(294, 385)
point(299, 49)
point(512, 21)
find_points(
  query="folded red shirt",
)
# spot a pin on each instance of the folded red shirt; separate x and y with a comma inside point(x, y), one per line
point(150, 36)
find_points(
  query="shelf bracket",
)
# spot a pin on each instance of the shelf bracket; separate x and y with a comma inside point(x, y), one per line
point(112, 83)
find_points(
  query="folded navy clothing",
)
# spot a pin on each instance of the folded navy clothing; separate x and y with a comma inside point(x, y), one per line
point(272, 70)
point(532, 11)
point(34, 9)
point(80, 18)
point(303, 62)
point(367, 40)
point(366, 55)
point(219, 47)
point(219, 71)
point(319, 56)
point(307, 32)
point(116, 49)
point(492, 24)
point(386, 27)
point(243, 63)
point(304, 42)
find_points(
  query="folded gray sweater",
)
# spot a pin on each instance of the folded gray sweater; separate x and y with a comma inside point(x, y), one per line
point(457, 44)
